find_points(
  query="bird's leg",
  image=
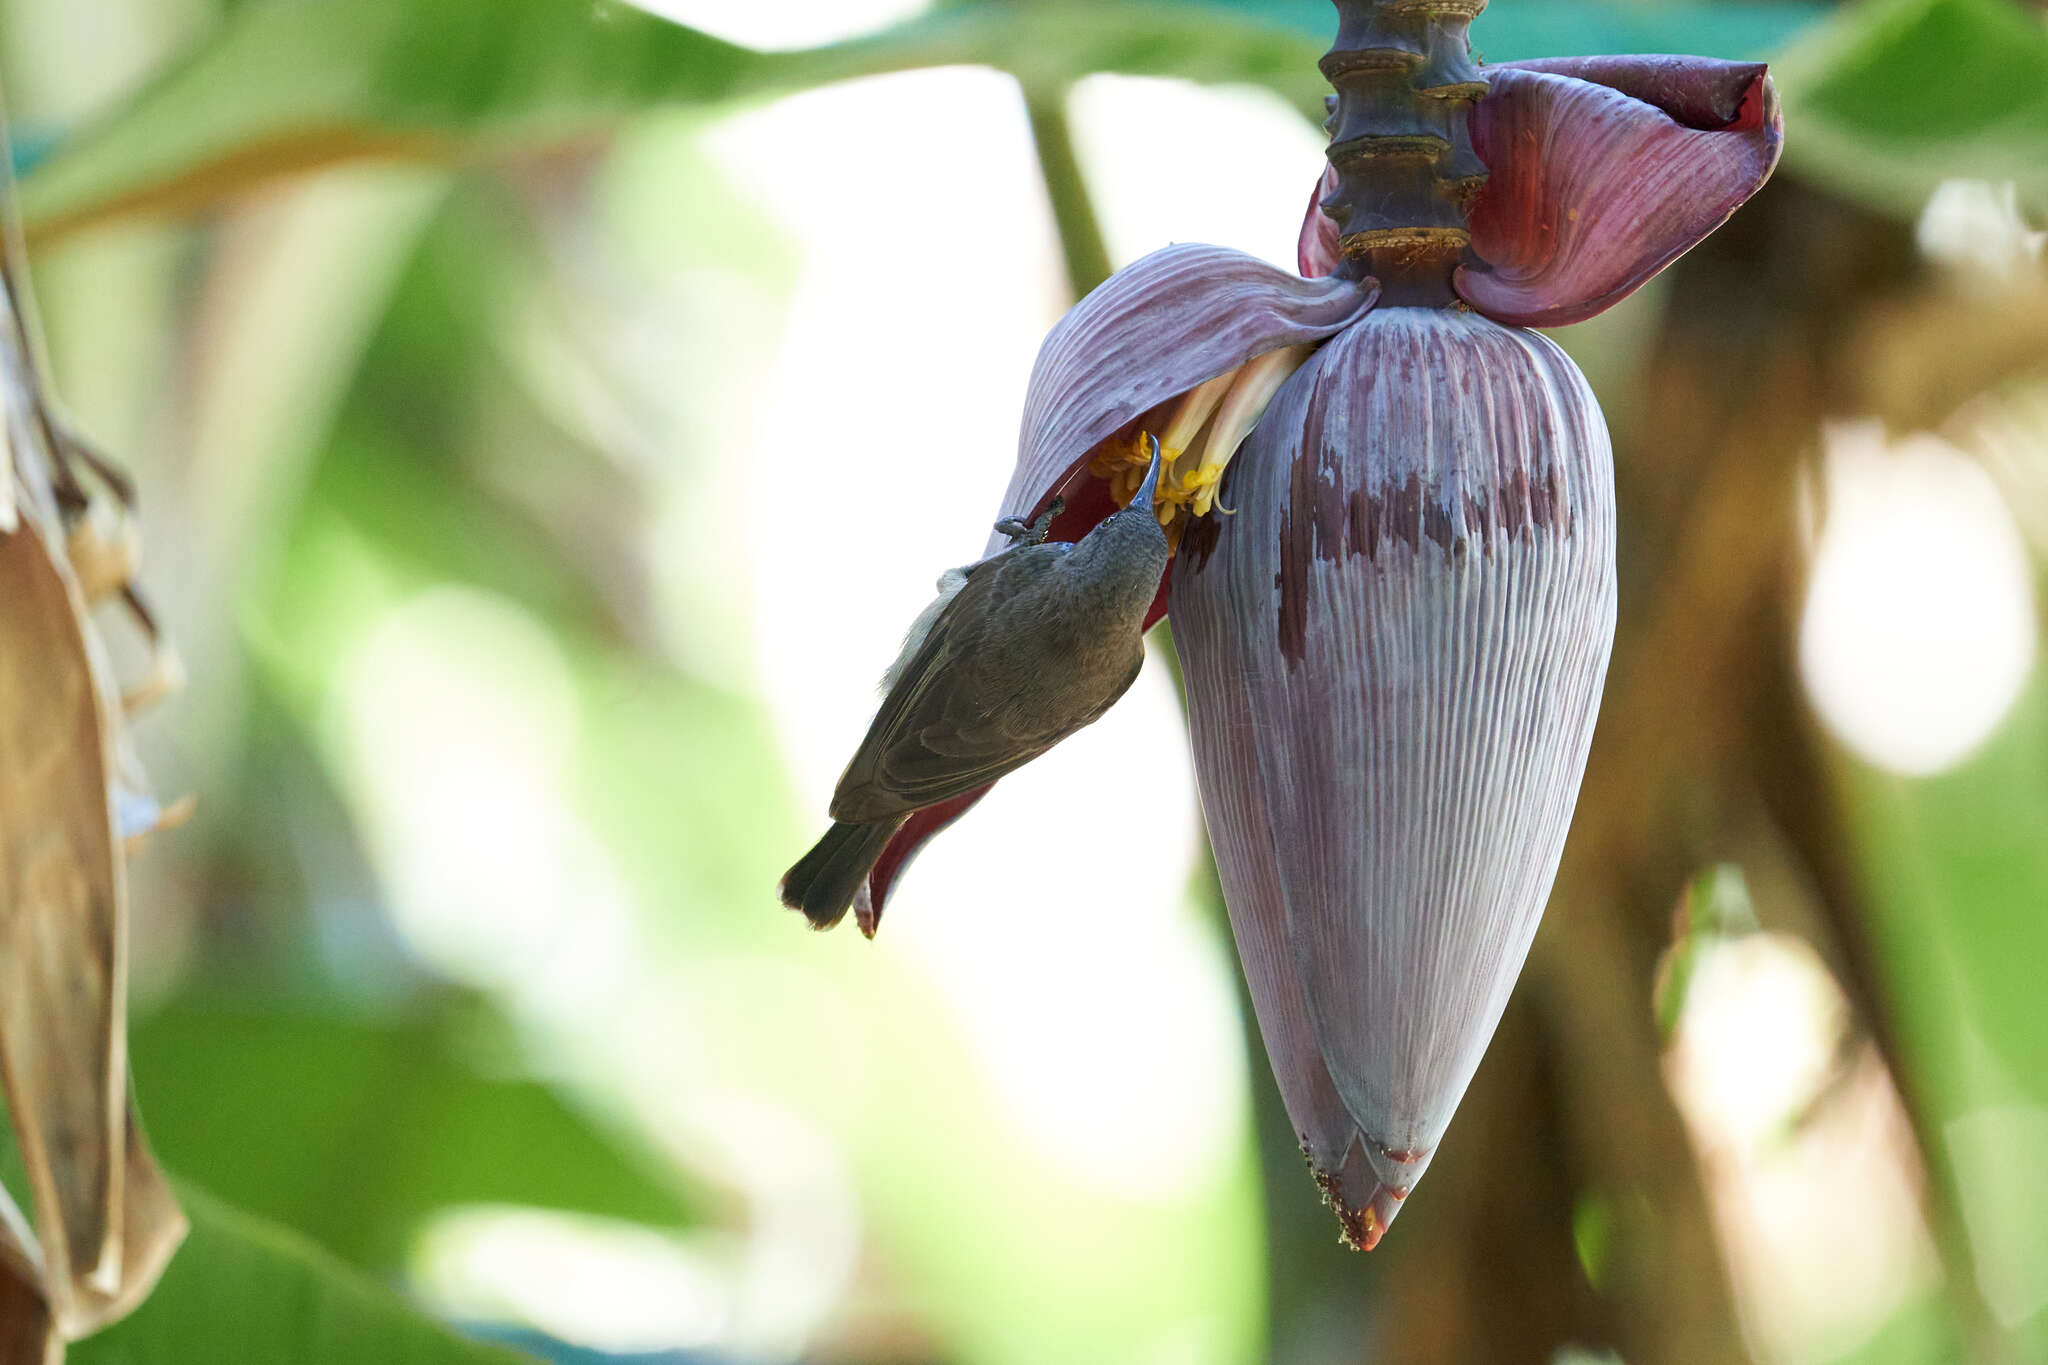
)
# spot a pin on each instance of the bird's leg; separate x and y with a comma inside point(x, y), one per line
point(1033, 533)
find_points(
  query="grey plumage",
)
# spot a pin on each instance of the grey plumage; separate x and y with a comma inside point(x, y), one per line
point(1033, 644)
point(949, 585)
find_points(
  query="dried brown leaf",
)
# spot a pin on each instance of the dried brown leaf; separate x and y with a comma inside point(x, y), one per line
point(106, 1222)
point(27, 1336)
point(152, 1225)
point(62, 893)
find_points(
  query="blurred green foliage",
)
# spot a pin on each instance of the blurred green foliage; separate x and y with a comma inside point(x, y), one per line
point(1716, 906)
point(1956, 868)
point(1892, 97)
point(461, 80)
point(241, 1289)
point(356, 1132)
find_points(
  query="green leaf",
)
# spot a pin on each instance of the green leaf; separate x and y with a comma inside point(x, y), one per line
point(280, 87)
point(284, 86)
point(244, 1290)
point(355, 1133)
point(1956, 873)
point(1717, 907)
point(1890, 97)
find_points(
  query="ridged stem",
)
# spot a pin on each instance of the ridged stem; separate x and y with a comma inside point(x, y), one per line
point(1401, 143)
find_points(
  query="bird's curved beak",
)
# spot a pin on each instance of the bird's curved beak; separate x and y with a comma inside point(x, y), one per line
point(1143, 497)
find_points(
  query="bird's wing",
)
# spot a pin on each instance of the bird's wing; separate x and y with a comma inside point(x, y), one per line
point(947, 725)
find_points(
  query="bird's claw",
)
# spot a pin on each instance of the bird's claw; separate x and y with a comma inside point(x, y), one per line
point(1022, 532)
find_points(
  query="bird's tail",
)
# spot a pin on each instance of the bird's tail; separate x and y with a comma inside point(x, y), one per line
point(824, 881)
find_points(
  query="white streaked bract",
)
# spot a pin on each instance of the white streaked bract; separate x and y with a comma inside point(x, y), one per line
point(1394, 656)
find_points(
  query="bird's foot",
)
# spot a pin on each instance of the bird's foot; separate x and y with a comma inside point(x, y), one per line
point(1022, 532)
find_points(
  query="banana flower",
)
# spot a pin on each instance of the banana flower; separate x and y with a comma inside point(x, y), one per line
point(1392, 507)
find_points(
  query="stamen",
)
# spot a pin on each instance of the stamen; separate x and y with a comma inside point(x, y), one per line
point(1193, 412)
point(1209, 421)
point(1123, 468)
point(1253, 385)
point(1200, 486)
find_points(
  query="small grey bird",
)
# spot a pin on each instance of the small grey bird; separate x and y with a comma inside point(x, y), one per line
point(1020, 651)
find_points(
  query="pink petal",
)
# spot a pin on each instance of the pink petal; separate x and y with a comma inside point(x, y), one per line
point(1394, 654)
point(908, 842)
point(1591, 190)
point(1145, 336)
point(1699, 92)
point(1317, 249)
point(1149, 333)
